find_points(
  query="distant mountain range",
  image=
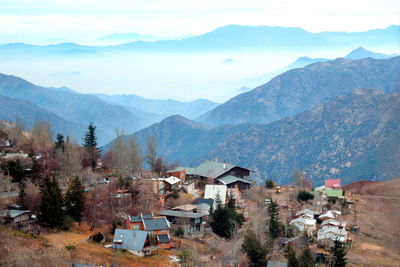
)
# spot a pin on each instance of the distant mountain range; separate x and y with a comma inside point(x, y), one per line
point(351, 137)
point(300, 89)
point(64, 106)
point(230, 37)
point(120, 38)
point(29, 113)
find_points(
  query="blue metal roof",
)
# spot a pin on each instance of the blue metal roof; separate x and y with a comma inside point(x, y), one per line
point(129, 239)
point(163, 238)
point(208, 201)
point(156, 224)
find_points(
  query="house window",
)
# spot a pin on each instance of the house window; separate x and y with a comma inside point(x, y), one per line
point(135, 227)
point(163, 231)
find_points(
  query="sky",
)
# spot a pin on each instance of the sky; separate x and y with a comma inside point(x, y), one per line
point(37, 21)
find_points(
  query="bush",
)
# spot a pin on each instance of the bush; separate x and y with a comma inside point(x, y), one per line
point(269, 184)
point(179, 232)
point(67, 223)
point(97, 237)
point(70, 248)
point(304, 196)
point(175, 193)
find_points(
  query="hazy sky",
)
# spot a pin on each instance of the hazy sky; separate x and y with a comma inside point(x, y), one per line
point(84, 20)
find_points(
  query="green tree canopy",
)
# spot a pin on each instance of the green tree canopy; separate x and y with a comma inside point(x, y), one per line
point(50, 212)
point(74, 199)
point(254, 249)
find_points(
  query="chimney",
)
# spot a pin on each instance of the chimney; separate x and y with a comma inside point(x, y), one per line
point(224, 166)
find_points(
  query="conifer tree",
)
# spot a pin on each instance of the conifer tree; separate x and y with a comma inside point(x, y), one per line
point(50, 212)
point(90, 144)
point(306, 259)
point(274, 224)
point(74, 199)
point(22, 197)
point(254, 249)
point(338, 254)
point(60, 143)
point(291, 256)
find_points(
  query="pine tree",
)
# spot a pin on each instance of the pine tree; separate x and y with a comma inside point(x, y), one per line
point(306, 259)
point(223, 223)
point(254, 249)
point(74, 199)
point(22, 197)
point(60, 143)
point(274, 224)
point(338, 254)
point(290, 254)
point(90, 144)
point(50, 212)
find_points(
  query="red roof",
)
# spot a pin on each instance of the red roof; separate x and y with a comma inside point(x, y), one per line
point(332, 183)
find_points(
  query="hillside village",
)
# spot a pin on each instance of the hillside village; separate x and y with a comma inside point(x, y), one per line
point(164, 216)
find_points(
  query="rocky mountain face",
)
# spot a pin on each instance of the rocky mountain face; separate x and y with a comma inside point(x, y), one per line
point(351, 137)
point(300, 89)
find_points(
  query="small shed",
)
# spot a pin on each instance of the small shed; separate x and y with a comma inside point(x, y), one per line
point(15, 216)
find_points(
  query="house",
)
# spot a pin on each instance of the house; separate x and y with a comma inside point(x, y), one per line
point(133, 241)
point(332, 234)
point(212, 170)
point(189, 221)
point(214, 192)
point(233, 181)
point(333, 193)
point(332, 184)
point(277, 264)
point(204, 205)
point(136, 222)
point(180, 172)
point(171, 183)
point(306, 213)
point(330, 214)
point(188, 187)
point(15, 216)
point(333, 223)
point(203, 208)
point(304, 224)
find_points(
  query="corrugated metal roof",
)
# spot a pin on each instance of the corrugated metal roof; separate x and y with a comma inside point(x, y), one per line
point(136, 219)
point(129, 239)
point(156, 224)
point(181, 214)
point(12, 213)
point(333, 193)
point(229, 179)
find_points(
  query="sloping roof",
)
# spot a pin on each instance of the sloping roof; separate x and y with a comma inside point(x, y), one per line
point(212, 190)
point(277, 264)
point(303, 221)
point(129, 239)
point(178, 169)
point(185, 207)
point(147, 215)
point(163, 238)
point(181, 214)
point(212, 169)
point(333, 193)
point(172, 180)
point(12, 213)
point(229, 179)
point(332, 183)
point(208, 201)
point(306, 212)
point(136, 219)
point(156, 224)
